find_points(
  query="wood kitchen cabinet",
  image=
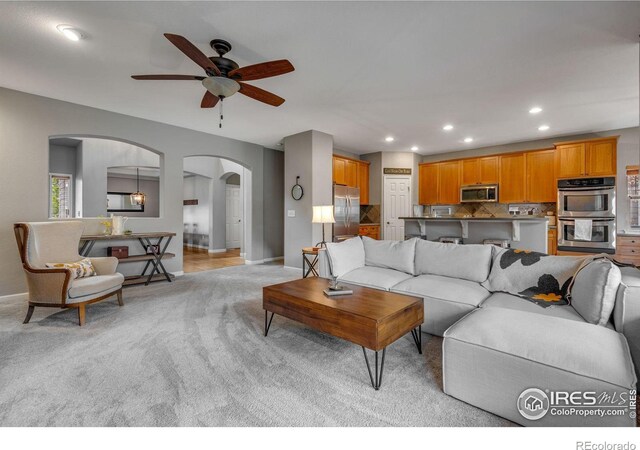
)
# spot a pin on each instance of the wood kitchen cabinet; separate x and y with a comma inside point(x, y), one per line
point(479, 171)
point(439, 183)
point(352, 173)
point(339, 170)
point(363, 182)
point(513, 186)
point(595, 157)
point(552, 241)
point(428, 184)
point(541, 179)
point(628, 249)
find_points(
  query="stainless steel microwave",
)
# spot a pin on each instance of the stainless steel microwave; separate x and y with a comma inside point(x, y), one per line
point(479, 193)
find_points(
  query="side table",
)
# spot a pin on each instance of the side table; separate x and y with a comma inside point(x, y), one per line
point(309, 261)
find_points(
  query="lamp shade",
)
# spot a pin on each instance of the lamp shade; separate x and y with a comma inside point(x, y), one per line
point(323, 214)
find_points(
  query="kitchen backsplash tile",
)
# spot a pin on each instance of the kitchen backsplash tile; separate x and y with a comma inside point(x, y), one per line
point(498, 209)
point(369, 213)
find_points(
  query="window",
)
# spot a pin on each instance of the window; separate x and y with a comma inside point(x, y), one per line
point(633, 190)
point(60, 195)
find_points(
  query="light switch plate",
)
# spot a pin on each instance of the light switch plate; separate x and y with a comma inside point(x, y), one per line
point(291, 213)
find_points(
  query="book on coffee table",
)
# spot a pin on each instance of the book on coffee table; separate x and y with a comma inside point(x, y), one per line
point(335, 292)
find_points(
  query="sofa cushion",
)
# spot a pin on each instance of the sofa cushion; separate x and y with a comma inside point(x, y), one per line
point(443, 288)
point(594, 290)
point(81, 287)
point(541, 278)
point(513, 302)
point(469, 262)
point(345, 256)
point(398, 255)
point(374, 277)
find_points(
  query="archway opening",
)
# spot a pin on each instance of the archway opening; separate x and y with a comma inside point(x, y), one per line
point(215, 201)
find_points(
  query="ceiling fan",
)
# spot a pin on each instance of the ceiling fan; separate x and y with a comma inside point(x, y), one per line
point(224, 76)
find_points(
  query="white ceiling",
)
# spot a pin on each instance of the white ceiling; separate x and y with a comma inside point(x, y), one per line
point(363, 70)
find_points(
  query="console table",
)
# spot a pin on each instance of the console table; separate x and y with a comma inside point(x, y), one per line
point(153, 259)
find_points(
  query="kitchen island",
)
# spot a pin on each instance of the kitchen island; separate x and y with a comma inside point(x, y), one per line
point(525, 232)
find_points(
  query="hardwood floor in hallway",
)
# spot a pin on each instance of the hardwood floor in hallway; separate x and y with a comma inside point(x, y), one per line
point(199, 260)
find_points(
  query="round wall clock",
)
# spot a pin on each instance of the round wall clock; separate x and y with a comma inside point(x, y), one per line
point(296, 191)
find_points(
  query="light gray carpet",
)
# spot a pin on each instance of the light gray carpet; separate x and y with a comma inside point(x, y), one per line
point(192, 353)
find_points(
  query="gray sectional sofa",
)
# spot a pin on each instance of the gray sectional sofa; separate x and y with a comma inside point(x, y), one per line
point(498, 345)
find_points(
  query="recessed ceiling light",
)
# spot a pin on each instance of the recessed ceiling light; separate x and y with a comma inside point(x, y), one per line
point(414, 148)
point(535, 110)
point(69, 32)
point(543, 127)
point(389, 139)
point(468, 139)
point(447, 127)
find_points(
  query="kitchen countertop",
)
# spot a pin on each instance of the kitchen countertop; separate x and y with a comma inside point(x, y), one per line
point(505, 218)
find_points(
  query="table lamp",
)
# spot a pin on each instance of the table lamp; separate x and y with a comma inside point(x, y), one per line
point(322, 215)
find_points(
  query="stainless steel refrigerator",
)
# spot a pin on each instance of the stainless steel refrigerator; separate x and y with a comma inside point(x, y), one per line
point(346, 211)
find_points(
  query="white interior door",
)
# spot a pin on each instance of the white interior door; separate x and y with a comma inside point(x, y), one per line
point(235, 221)
point(397, 203)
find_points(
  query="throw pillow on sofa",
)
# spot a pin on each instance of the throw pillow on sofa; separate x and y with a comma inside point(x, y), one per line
point(593, 294)
point(79, 269)
point(469, 262)
point(398, 255)
point(345, 256)
point(538, 277)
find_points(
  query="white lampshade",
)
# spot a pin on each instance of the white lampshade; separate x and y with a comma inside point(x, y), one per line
point(323, 214)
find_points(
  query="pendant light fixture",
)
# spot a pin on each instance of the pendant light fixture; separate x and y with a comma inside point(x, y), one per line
point(138, 198)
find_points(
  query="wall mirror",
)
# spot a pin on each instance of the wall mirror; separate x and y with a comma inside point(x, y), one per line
point(94, 177)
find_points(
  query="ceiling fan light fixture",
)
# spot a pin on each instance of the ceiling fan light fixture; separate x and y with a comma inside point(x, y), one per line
point(221, 86)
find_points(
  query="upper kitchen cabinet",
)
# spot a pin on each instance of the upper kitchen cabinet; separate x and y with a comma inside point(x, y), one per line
point(363, 182)
point(594, 157)
point(353, 173)
point(513, 186)
point(479, 171)
point(540, 175)
point(339, 170)
point(428, 184)
point(449, 183)
point(439, 183)
point(601, 157)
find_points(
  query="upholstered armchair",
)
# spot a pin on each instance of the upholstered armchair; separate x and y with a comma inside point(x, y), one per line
point(45, 243)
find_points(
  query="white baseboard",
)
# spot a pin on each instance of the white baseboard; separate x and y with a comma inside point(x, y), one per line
point(243, 255)
point(277, 258)
point(21, 296)
point(202, 247)
point(217, 250)
point(178, 273)
point(299, 269)
point(251, 263)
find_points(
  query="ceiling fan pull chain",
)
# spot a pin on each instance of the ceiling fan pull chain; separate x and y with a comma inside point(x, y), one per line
point(221, 115)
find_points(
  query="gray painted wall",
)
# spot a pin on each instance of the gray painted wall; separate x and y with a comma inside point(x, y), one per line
point(308, 155)
point(29, 120)
point(628, 154)
point(274, 207)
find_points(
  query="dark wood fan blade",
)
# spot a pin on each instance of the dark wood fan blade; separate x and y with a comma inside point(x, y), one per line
point(192, 52)
point(261, 95)
point(262, 70)
point(167, 77)
point(209, 100)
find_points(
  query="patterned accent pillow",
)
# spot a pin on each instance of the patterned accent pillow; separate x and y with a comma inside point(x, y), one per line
point(537, 277)
point(80, 269)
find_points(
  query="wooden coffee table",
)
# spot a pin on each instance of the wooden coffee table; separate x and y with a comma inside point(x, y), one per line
point(370, 318)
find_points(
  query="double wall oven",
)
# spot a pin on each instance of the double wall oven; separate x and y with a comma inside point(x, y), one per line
point(587, 215)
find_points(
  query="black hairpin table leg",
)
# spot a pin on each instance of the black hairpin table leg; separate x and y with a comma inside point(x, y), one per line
point(378, 370)
point(417, 337)
point(267, 324)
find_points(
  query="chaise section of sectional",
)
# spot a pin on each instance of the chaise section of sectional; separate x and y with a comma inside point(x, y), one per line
point(493, 355)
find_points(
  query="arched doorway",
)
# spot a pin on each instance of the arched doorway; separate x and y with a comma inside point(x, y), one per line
point(215, 202)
